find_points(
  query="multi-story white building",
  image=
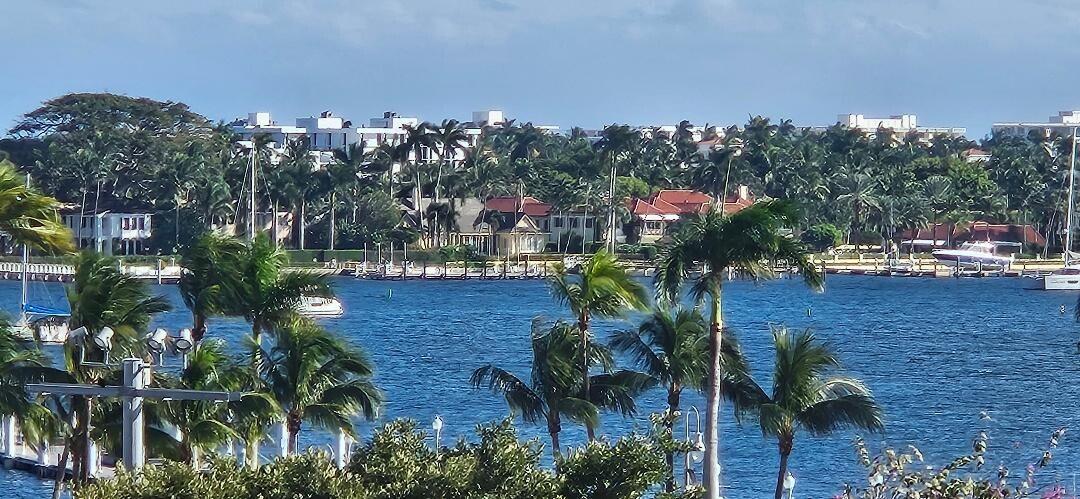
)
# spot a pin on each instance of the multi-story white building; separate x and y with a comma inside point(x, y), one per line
point(901, 125)
point(111, 233)
point(1063, 124)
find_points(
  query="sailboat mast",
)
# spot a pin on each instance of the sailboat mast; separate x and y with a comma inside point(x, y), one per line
point(1069, 209)
point(251, 197)
point(25, 263)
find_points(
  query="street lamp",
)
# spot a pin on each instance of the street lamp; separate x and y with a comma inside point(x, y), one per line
point(183, 341)
point(156, 341)
point(437, 425)
point(697, 450)
point(789, 485)
point(103, 340)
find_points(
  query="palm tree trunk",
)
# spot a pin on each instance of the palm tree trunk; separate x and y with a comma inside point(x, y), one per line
point(785, 450)
point(712, 411)
point(333, 212)
point(554, 426)
point(669, 456)
point(251, 453)
point(274, 222)
point(583, 326)
point(61, 471)
point(302, 203)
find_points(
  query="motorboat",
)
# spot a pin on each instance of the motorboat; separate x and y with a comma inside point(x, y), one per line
point(976, 255)
point(316, 306)
point(1067, 278)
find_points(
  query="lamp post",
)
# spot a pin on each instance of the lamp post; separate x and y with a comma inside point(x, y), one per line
point(437, 425)
point(735, 145)
point(697, 452)
point(789, 485)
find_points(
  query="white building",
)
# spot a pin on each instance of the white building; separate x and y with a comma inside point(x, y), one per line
point(111, 233)
point(1062, 124)
point(901, 125)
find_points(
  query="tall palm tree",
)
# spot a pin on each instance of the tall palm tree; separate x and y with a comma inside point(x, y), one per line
point(204, 425)
point(30, 217)
point(808, 393)
point(553, 391)
point(602, 288)
point(673, 347)
point(297, 171)
point(315, 378)
point(742, 242)
point(18, 361)
point(209, 268)
point(615, 145)
point(266, 294)
point(451, 138)
point(411, 149)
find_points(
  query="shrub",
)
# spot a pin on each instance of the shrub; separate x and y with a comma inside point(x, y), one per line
point(821, 237)
point(625, 470)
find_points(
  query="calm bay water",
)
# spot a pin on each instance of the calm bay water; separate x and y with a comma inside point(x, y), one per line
point(936, 352)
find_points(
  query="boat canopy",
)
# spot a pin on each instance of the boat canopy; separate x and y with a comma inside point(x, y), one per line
point(33, 309)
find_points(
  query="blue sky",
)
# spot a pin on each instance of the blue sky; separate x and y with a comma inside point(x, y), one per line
point(564, 62)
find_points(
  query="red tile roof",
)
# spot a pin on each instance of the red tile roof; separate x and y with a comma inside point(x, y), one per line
point(529, 205)
point(979, 231)
point(683, 202)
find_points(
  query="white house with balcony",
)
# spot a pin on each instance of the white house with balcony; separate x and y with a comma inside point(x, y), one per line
point(111, 233)
point(1062, 124)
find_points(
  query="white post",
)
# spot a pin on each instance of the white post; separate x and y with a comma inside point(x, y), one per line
point(134, 425)
point(283, 439)
point(341, 449)
point(10, 432)
point(93, 459)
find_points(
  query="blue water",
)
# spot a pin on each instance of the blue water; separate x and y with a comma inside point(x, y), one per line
point(936, 352)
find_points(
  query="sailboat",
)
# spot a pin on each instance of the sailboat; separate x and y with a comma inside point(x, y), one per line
point(38, 322)
point(309, 306)
point(1068, 278)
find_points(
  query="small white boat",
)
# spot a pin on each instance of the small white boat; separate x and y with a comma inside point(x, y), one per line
point(314, 306)
point(975, 255)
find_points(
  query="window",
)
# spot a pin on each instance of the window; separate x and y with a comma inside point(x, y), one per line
point(142, 223)
point(125, 223)
point(558, 221)
point(573, 223)
point(588, 223)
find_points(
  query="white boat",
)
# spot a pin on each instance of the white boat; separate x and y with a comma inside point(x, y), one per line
point(314, 306)
point(977, 255)
point(1067, 278)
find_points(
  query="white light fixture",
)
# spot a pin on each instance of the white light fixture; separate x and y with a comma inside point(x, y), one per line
point(698, 453)
point(77, 335)
point(789, 482)
point(437, 424)
point(155, 341)
point(103, 339)
point(183, 341)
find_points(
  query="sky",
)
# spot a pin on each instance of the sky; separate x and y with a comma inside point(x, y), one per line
point(559, 62)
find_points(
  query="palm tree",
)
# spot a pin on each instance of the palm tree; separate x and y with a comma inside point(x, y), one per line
point(296, 172)
point(807, 393)
point(602, 288)
point(18, 361)
point(554, 390)
point(30, 217)
point(315, 378)
point(860, 194)
point(417, 140)
point(203, 424)
point(615, 144)
point(266, 294)
point(209, 267)
point(102, 296)
point(742, 242)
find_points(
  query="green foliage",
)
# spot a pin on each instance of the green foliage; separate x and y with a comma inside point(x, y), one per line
point(459, 253)
point(400, 463)
point(306, 476)
point(625, 470)
point(821, 237)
